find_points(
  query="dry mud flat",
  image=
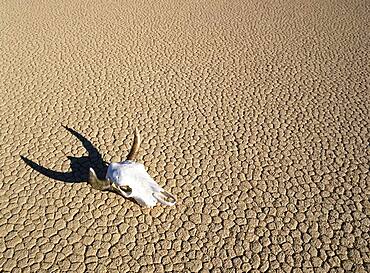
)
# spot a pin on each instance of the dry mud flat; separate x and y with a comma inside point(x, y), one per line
point(255, 114)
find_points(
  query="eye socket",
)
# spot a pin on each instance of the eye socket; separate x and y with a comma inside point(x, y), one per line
point(126, 189)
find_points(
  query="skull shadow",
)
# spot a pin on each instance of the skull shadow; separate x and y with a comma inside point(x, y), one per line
point(79, 165)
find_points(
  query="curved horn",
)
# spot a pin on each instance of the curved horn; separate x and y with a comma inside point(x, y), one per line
point(135, 146)
point(96, 183)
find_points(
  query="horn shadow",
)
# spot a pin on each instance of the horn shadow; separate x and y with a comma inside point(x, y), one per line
point(79, 165)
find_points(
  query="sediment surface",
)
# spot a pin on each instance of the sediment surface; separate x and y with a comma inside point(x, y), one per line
point(255, 114)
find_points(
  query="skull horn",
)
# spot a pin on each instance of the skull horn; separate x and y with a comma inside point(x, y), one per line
point(135, 146)
point(96, 183)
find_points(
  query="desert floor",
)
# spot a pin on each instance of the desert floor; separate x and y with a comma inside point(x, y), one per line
point(255, 114)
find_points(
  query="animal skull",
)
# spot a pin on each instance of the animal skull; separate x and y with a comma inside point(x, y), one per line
point(131, 180)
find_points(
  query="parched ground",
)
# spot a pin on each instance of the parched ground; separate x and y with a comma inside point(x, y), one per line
point(255, 114)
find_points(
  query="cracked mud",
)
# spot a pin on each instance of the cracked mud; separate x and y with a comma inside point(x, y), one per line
point(254, 114)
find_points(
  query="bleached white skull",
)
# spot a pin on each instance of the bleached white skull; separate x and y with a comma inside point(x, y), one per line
point(131, 180)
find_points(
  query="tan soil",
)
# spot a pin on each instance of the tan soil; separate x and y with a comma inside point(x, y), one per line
point(255, 114)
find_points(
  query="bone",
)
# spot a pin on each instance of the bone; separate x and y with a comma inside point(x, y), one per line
point(131, 180)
